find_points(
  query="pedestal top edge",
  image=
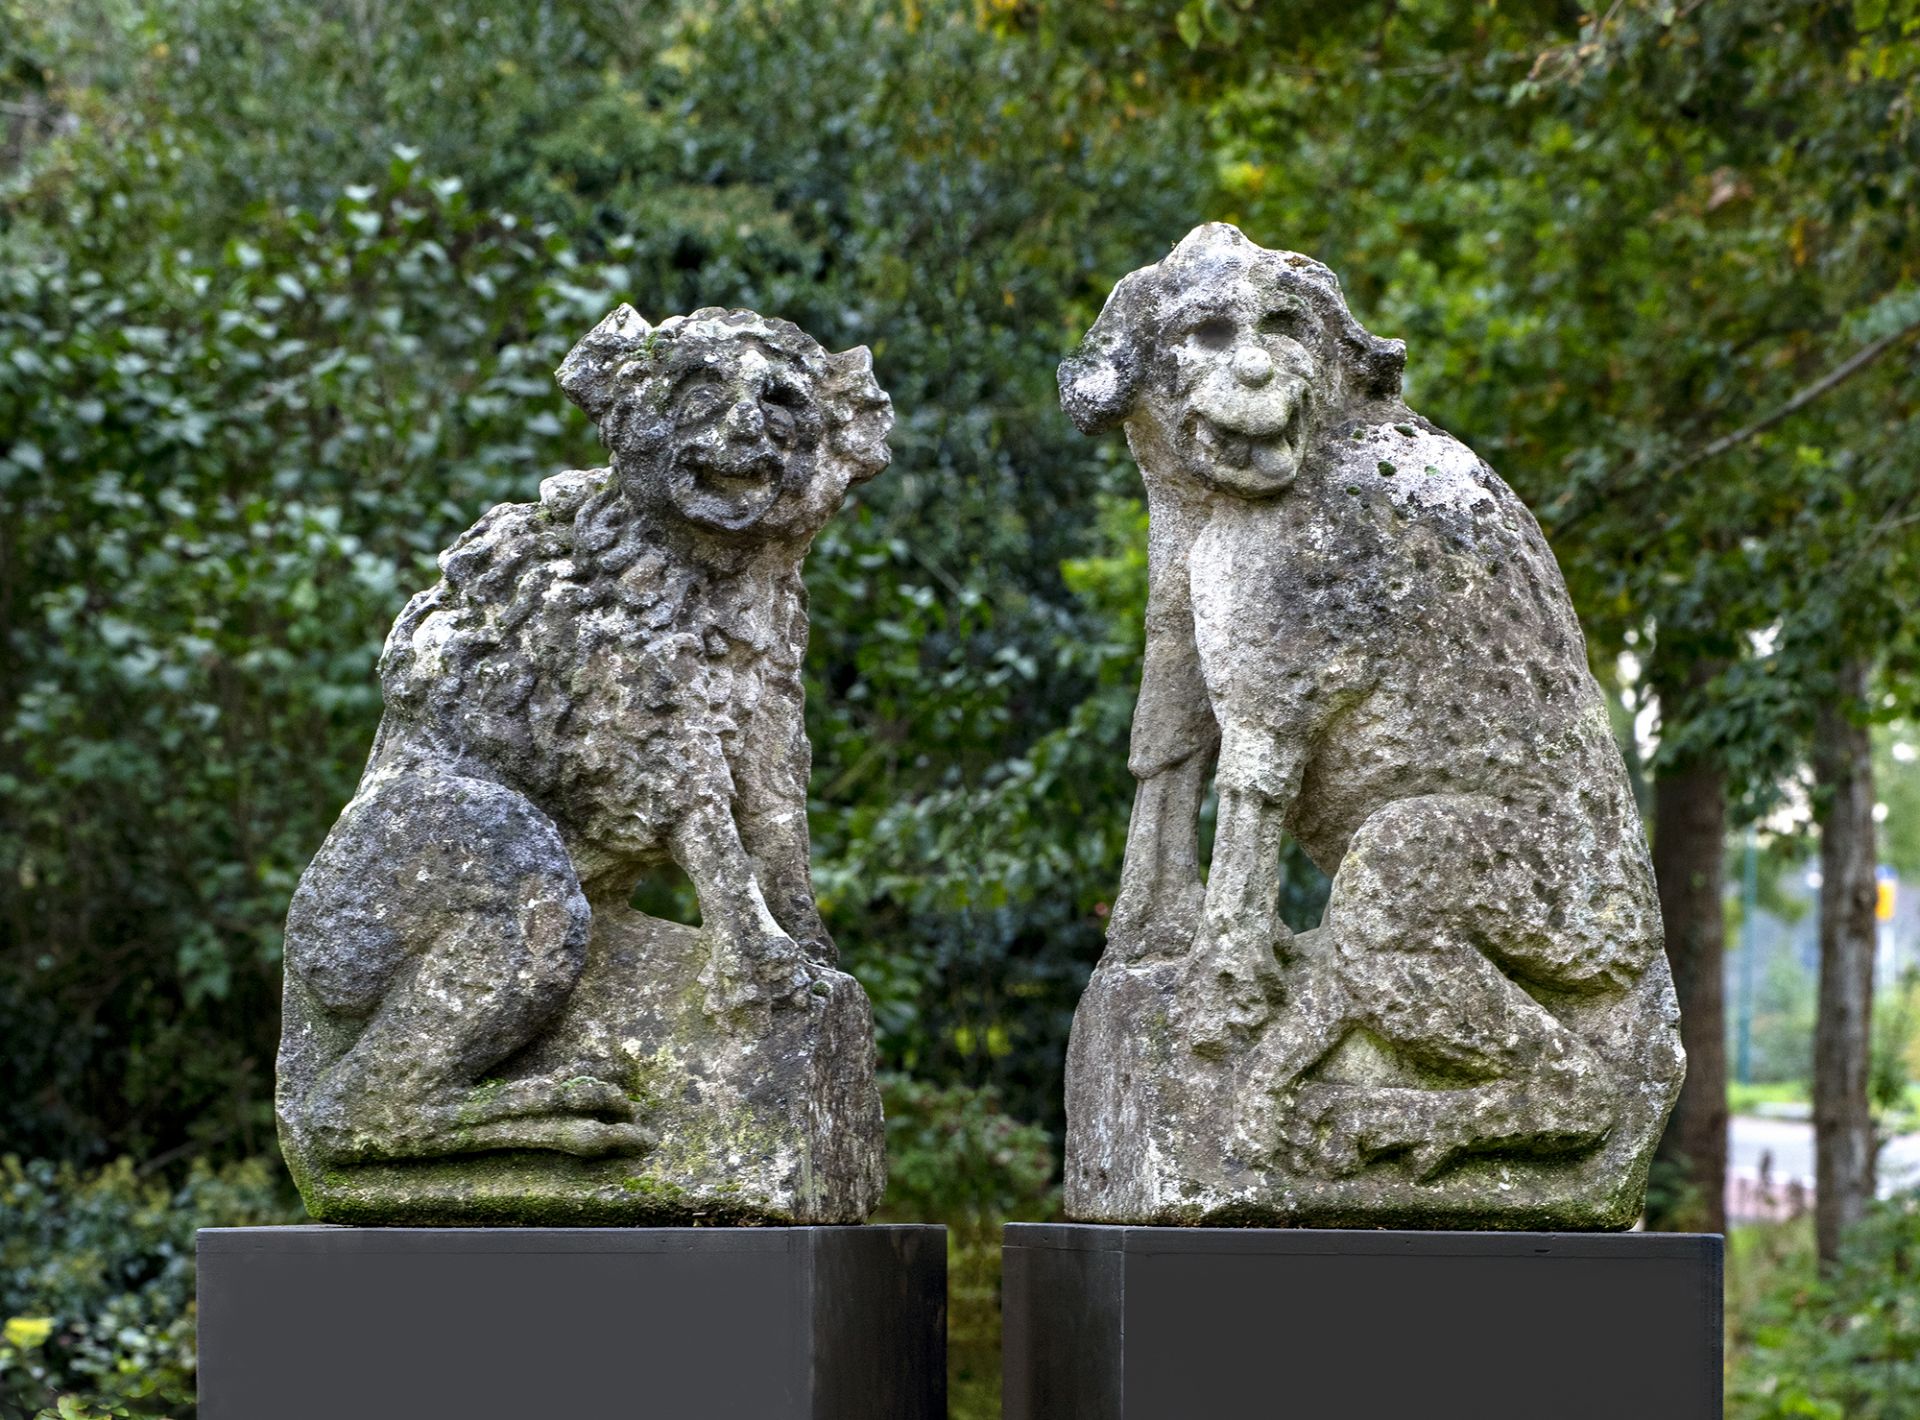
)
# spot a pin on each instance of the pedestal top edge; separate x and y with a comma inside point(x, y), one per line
point(335, 1238)
point(1141, 1239)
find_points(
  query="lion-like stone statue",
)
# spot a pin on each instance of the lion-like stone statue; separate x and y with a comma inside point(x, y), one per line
point(1356, 635)
point(603, 684)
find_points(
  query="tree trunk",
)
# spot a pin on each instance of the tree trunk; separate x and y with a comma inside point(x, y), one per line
point(1843, 1139)
point(1689, 848)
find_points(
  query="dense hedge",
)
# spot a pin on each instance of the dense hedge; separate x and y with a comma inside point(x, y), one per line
point(96, 1278)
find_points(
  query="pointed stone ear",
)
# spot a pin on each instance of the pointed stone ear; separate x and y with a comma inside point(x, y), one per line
point(1100, 382)
point(859, 413)
point(587, 375)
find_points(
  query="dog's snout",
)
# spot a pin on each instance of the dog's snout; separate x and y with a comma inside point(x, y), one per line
point(1252, 366)
point(745, 422)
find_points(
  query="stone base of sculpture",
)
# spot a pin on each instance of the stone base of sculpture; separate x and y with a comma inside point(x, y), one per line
point(772, 1118)
point(1112, 1323)
point(1161, 1135)
point(318, 1323)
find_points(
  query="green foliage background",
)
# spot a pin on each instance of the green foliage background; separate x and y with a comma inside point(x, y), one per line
point(103, 1262)
point(282, 283)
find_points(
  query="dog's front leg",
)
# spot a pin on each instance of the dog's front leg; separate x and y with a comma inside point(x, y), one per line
point(1232, 980)
point(1175, 736)
point(754, 964)
point(1157, 911)
point(771, 774)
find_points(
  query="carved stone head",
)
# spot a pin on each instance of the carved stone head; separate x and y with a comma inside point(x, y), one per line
point(737, 424)
point(1226, 361)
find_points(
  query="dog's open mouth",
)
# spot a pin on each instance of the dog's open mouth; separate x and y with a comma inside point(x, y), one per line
point(728, 492)
point(1272, 453)
point(733, 476)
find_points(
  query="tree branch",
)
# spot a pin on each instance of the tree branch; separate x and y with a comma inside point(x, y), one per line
point(1833, 379)
point(1827, 383)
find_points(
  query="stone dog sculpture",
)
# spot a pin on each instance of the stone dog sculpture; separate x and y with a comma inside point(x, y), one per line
point(604, 682)
point(1360, 631)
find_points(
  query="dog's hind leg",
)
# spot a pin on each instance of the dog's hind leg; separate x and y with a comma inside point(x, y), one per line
point(439, 929)
point(1428, 893)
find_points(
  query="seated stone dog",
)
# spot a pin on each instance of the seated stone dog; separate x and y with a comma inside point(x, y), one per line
point(603, 682)
point(1357, 627)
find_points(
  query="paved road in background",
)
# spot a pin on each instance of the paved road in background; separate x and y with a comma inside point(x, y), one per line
point(1789, 1142)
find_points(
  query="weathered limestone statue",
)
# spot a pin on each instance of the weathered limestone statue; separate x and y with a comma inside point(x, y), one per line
point(478, 1028)
point(1360, 632)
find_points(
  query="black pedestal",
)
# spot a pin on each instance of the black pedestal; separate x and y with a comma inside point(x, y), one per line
point(821, 1323)
point(1117, 1323)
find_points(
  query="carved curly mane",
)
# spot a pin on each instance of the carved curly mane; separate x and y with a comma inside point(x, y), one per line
point(489, 661)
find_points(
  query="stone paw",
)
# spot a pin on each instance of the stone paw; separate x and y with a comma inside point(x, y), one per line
point(1165, 926)
point(592, 1138)
point(1428, 1161)
point(1323, 1133)
point(557, 1133)
point(1228, 991)
point(1127, 927)
point(566, 1092)
point(586, 1094)
point(1337, 1130)
point(819, 950)
point(746, 981)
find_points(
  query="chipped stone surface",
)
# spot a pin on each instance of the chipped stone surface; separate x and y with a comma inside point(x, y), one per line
point(1356, 635)
point(604, 683)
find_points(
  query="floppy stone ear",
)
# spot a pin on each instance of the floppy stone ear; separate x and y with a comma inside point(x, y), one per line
point(1101, 380)
point(859, 413)
point(587, 375)
point(1383, 366)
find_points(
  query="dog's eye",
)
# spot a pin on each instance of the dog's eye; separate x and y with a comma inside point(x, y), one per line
point(1283, 320)
point(785, 408)
point(699, 403)
point(1214, 334)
